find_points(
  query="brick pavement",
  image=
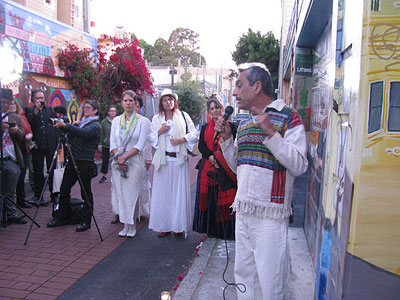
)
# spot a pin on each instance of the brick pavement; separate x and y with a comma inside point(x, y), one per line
point(55, 258)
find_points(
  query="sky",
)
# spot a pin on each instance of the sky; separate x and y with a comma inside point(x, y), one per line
point(219, 23)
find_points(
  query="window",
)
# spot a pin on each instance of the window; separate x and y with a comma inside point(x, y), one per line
point(375, 106)
point(76, 11)
point(394, 107)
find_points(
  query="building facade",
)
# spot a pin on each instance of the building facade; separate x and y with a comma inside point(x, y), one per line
point(340, 67)
point(33, 29)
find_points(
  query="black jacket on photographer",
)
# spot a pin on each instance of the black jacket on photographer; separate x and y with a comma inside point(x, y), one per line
point(46, 138)
point(84, 141)
point(45, 135)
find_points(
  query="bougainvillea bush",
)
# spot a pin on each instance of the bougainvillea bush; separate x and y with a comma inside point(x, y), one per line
point(125, 69)
point(79, 65)
point(119, 67)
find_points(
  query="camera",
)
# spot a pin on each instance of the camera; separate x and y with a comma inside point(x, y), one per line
point(53, 121)
point(11, 124)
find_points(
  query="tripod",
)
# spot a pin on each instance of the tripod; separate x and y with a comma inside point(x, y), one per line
point(63, 140)
point(3, 214)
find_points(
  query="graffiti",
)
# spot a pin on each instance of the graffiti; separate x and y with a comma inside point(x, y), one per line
point(385, 39)
point(304, 97)
point(38, 39)
point(393, 151)
point(56, 83)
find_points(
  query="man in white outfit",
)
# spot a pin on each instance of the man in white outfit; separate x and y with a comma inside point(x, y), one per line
point(269, 151)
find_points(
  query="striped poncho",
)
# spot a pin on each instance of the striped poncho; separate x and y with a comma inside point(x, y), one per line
point(266, 167)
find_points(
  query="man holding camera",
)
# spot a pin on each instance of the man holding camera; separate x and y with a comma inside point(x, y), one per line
point(45, 137)
point(84, 137)
point(12, 160)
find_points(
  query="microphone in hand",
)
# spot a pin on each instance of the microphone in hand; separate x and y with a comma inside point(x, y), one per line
point(227, 114)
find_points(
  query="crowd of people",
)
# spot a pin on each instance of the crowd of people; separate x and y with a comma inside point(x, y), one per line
point(245, 175)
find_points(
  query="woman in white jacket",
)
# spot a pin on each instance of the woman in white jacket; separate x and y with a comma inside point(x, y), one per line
point(129, 133)
point(172, 135)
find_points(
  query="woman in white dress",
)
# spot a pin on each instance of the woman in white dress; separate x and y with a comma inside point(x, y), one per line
point(129, 133)
point(143, 207)
point(172, 134)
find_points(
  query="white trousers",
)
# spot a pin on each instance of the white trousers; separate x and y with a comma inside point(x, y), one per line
point(261, 260)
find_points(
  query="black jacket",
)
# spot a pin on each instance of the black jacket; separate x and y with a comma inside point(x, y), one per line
point(45, 136)
point(84, 141)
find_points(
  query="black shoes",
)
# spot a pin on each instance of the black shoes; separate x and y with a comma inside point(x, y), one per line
point(35, 202)
point(83, 227)
point(24, 204)
point(103, 179)
point(57, 222)
point(115, 220)
point(16, 221)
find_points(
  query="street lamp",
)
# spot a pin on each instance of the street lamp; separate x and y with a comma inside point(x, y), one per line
point(172, 72)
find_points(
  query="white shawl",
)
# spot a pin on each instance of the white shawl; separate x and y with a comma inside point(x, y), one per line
point(178, 131)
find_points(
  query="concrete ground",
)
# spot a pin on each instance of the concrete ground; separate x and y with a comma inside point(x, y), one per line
point(206, 278)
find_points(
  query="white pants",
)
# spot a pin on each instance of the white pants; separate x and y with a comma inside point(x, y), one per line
point(261, 260)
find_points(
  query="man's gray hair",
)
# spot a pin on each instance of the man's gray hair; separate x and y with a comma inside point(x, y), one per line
point(258, 72)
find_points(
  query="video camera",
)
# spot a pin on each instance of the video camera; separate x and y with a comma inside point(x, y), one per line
point(62, 113)
point(53, 121)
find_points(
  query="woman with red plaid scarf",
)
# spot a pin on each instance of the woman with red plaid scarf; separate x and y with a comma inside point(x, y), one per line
point(216, 184)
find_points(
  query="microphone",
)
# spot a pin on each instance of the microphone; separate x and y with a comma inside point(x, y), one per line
point(43, 103)
point(227, 114)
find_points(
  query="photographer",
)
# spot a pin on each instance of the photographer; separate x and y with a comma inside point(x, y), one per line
point(84, 139)
point(45, 137)
point(13, 134)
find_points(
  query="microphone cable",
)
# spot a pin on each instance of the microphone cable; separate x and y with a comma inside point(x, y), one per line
point(239, 286)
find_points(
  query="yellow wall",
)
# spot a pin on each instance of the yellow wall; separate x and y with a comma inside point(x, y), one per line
point(375, 223)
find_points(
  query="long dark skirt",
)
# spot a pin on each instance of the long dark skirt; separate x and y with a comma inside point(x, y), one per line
point(206, 221)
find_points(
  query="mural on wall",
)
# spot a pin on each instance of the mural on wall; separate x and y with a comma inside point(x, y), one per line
point(37, 39)
point(58, 92)
point(378, 210)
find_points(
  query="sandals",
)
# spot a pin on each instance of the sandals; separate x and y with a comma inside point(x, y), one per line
point(163, 234)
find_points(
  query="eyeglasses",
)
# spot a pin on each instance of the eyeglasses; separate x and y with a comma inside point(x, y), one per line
point(38, 98)
point(87, 107)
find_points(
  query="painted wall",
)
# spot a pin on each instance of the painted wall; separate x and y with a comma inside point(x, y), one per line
point(38, 40)
point(353, 215)
point(374, 241)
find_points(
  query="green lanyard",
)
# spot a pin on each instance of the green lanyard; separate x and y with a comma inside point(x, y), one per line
point(133, 120)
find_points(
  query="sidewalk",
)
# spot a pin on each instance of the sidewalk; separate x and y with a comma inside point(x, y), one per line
point(204, 279)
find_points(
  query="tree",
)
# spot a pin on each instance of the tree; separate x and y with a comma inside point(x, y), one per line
point(181, 46)
point(148, 49)
point(163, 56)
point(183, 42)
point(191, 99)
point(255, 47)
